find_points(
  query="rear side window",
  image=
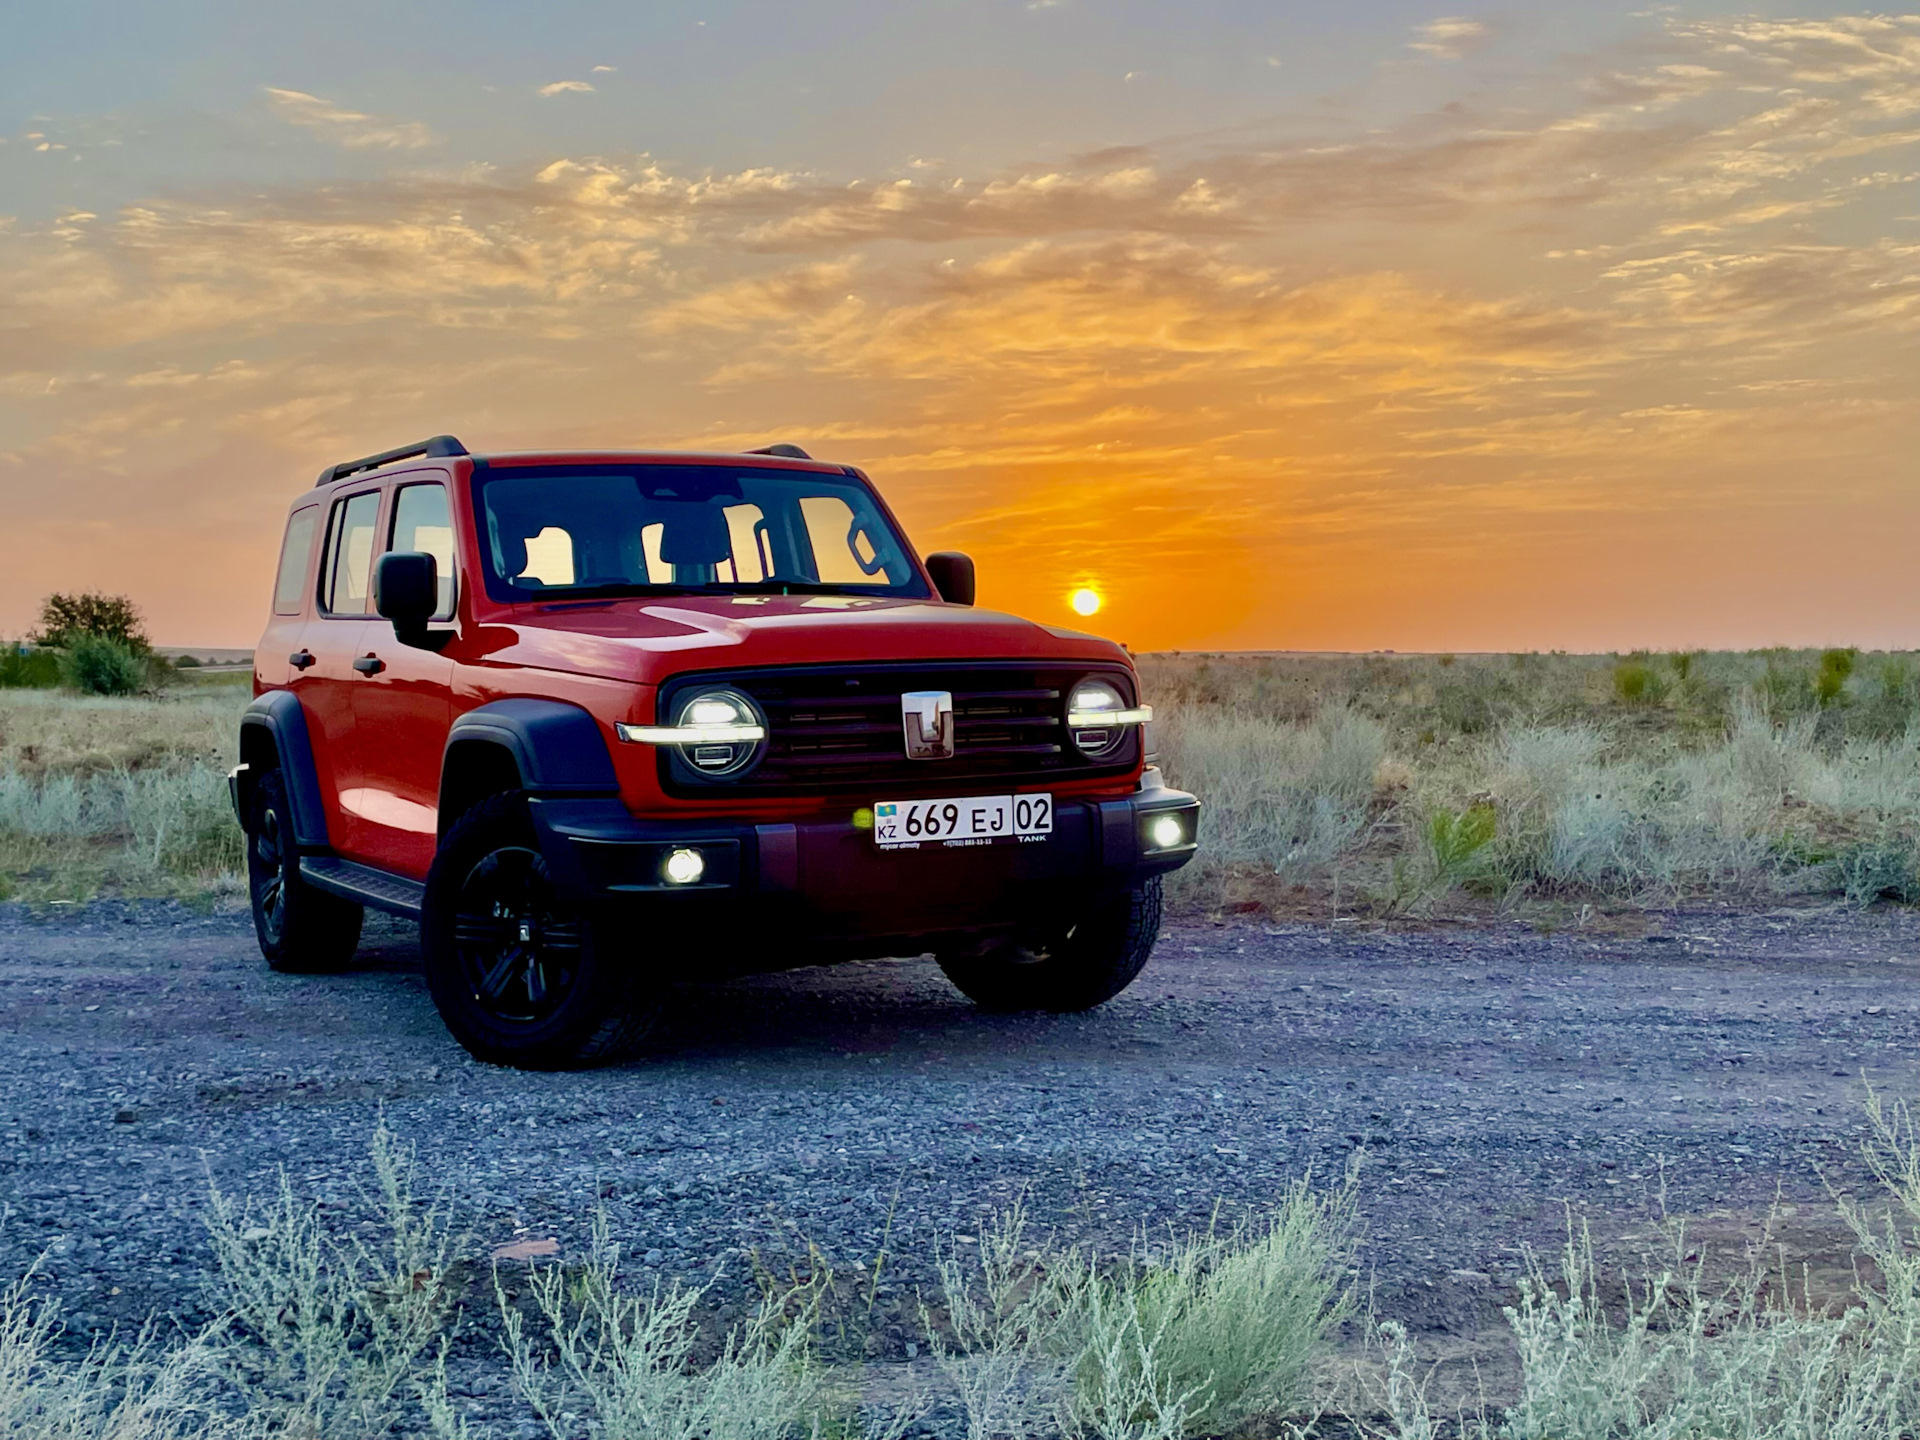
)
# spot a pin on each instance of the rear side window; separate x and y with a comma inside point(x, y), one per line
point(289, 588)
point(422, 521)
point(345, 581)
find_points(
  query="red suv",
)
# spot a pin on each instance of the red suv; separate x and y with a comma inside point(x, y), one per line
point(604, 721)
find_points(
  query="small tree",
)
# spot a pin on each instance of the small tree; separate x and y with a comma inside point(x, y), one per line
point(65, 618)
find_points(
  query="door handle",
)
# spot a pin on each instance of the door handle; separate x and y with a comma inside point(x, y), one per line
point(301, 658)
point(369, 664)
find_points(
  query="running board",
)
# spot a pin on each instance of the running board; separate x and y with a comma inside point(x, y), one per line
point(395, 894)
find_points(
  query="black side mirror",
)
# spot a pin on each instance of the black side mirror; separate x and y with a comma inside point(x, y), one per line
point(406, 590)
point(952, 574)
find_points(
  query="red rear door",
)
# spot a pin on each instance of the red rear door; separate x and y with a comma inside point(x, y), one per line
point(335, 639)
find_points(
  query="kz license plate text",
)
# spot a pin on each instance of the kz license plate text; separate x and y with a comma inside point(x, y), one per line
point(978, 820)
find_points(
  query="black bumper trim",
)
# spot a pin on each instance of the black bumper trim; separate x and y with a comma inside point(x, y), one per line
point(597, 848)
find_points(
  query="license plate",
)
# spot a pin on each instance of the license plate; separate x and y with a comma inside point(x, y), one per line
point(977, 820)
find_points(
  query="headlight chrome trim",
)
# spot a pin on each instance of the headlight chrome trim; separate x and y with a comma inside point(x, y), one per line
point(692, 734)
point(1136, 715)
point(711, 746)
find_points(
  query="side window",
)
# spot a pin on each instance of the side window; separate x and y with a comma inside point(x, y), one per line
point(289, 587)
point(345, 580)
point(422, 522)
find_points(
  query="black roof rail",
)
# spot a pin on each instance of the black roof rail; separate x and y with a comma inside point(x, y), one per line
point(783, 450)
point(437, 446)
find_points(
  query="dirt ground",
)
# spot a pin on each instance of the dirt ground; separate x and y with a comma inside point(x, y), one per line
point(1491, 1077)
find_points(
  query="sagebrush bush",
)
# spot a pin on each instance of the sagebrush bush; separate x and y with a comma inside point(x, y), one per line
point(1211, 1331)
point(329, 1336)
point(1285, 797)
point(1676, 1360)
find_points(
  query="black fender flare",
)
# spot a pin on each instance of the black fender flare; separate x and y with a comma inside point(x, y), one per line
point(557, 749)
point(278, 720)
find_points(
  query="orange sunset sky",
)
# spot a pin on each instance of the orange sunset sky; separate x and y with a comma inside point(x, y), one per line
point(1283, 326)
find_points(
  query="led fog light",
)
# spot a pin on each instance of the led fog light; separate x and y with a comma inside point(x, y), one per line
point(1166, 832)
point(684, 867)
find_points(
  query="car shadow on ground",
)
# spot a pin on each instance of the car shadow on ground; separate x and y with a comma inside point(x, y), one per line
point(903, 1008)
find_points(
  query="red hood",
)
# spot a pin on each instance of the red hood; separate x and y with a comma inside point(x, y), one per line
point(646, 641)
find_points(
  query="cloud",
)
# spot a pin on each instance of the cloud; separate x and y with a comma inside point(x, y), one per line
point(349, 128)
point(1450, 37)
point(604, 69)
point(1298, 350)
point(567, 87)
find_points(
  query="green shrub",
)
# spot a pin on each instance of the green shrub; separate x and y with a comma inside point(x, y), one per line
point(1636, 682)
point(1454, 842)
point(1682, 663)
point(1879, 869)
point(186, 662)
point(1830, 680)
point(25, 669)
point(96, 665)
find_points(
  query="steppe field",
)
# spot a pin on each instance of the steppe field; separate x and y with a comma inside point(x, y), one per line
point(1524, 1057)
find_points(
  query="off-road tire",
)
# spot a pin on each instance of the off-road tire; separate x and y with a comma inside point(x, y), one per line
point(521, 975)
point(1085, 965)
point(302, 930)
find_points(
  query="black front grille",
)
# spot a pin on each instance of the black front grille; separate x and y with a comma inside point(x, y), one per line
point(835, 728)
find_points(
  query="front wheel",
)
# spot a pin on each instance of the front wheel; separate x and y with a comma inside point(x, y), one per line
point(1078, 968)
point(521, 975)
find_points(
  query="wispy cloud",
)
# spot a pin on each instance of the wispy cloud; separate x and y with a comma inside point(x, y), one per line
point(351, 128)
point(567, 87)
point(1450, 37)
point(1319, 352)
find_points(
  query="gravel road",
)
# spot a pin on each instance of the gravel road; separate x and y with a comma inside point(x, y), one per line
point(1490, 1075)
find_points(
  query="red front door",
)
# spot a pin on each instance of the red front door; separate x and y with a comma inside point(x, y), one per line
point(402, 704)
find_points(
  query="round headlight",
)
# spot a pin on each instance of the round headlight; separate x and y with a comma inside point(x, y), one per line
point(1090, 699)
point(721, 708)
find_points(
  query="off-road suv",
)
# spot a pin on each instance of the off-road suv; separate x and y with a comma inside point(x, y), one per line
point(606, 721)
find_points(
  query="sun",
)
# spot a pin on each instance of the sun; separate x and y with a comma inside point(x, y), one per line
point(1085, 602)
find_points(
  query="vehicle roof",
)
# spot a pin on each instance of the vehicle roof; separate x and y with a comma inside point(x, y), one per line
point(512, 459)
point(660, 457)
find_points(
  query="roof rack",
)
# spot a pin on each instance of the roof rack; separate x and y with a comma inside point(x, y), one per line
point(438, 445)
point(783, 450)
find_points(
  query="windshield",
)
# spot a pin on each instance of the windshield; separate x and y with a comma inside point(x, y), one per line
point(574, 532)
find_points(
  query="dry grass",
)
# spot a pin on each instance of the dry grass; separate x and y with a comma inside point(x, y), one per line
point(1395, 785)
point(1382, 785)
point(123, 796)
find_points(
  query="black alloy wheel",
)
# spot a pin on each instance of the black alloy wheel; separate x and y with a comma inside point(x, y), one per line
point(301, 930)
point(520, 959)
point(522, 973)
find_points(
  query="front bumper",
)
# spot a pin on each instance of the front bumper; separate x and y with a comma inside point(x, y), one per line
point(827, 880)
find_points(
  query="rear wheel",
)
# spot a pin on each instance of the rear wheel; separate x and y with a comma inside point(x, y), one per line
point(1077, 968)
point(521, 974)
point(302, 930)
